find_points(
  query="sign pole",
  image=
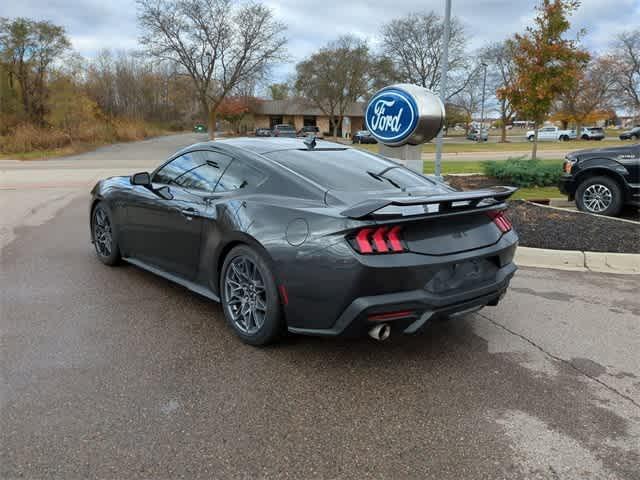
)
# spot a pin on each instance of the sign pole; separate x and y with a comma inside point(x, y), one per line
point(484, 86)
point(443, 83)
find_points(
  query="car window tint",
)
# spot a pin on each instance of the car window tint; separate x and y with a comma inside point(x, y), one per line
point(177, 167)
point(350, 169)
point(206, 175)
point(239, 175)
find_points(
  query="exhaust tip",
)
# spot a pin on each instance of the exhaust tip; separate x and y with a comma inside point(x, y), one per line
point(380, 332)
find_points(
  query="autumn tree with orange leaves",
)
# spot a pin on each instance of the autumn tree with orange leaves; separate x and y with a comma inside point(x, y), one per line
point(234, 108)
point(547, 65)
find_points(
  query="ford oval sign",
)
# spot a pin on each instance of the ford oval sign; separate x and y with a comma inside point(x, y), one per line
point(391, 115)
point(404, 113)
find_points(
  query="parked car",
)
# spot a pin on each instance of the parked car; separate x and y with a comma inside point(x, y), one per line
point(283, 130)
point(475, 135)
point(263, 132)
point(603, 180)
point(315, 239)
point(552, 134)
point(363, 136)
point(309, 130)
point(631, 134)
point(592, 133)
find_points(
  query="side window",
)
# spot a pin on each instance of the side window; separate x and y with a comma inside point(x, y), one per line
point(206, 175)
point(239, 175)
point(176, 167)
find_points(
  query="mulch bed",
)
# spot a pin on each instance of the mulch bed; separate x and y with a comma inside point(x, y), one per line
point(543, 227)
point(470, 182)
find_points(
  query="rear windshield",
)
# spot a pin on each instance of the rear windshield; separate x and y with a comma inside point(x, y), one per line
point(595, 129)
point(284, 127)
point(350, 169)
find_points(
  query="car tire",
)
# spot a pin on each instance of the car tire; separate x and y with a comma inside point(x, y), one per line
point(564, 138)
point(585, 137)
point(104, 235)
point(530, 138)
point(253, 312)
point(599, 195)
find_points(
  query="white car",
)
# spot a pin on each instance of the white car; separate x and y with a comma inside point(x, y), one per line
point(552, 133)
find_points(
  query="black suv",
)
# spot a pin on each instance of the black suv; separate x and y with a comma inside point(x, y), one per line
point(603, 180)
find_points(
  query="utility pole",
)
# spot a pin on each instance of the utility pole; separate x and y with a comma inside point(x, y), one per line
point(484, 84)
point(443, 82)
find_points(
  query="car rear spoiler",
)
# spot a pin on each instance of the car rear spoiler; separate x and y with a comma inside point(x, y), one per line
point(447, 203)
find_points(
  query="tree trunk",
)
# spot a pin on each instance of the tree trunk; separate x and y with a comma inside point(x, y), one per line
point(211, 127)
point(534, 149)
point(503, 131)
point(335, 128)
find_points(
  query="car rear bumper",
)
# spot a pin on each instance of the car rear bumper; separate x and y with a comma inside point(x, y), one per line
point(366, 312)
point(451, 289)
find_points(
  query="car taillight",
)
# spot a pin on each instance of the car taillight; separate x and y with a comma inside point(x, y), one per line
point(501, 220)
point(378, 240)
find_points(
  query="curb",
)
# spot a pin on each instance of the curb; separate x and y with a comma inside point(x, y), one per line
point(577, 261)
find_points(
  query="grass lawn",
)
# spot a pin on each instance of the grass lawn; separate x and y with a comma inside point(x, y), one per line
point(476, 167)
point(471, 166)
point(45, 154)
point(524, 147)
point(537, 193)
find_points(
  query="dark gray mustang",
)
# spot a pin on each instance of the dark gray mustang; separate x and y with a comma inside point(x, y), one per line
point(318, 239)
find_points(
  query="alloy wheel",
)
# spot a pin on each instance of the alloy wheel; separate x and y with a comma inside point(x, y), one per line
point(597, 198)
point(102, 233)
point(245, 295)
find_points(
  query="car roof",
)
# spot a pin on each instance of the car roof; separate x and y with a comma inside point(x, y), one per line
point(272, 144)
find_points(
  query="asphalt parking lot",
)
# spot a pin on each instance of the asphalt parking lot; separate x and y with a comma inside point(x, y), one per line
point(116, 373)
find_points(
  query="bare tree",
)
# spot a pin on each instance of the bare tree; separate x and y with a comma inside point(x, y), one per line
point(501, 74)
point(414, 43)
point(335, 77)
point(626, 57)
point(279, 91)
point(219, 43)
point(592, 93)
point(468, 100)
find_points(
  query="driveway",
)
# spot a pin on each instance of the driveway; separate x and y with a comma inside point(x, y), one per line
point(116, 373)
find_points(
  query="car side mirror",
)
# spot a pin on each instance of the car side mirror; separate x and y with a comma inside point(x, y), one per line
point(164, 192)
point(141, 178)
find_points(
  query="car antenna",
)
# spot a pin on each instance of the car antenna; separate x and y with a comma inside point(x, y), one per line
point(310, 142)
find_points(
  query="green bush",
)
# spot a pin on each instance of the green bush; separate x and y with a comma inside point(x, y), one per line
point(524, 173)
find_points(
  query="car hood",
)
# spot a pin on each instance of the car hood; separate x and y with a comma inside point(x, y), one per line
point(605, 152)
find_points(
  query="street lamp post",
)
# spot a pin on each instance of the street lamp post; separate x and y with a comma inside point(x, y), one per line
point(443, 83)
point(484, 84)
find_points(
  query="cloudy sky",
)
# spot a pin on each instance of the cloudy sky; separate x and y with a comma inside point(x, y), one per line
point(96, 24)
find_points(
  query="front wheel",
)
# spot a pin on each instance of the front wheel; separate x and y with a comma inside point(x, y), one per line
point(104, 235)
point(585, 137)
point(564, 138)
point(530, 138)
point(599, 195)
point(249, 297)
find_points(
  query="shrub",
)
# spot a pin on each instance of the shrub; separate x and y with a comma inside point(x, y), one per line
point(524, 173)
point(26, 138)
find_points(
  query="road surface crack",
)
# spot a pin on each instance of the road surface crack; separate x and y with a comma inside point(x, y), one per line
point(562, 360)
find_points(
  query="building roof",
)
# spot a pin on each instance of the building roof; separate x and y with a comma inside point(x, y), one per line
point(301, 106)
